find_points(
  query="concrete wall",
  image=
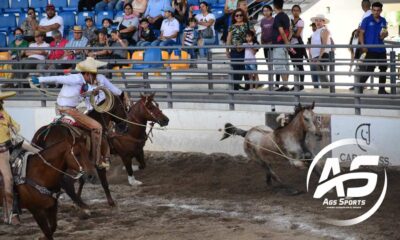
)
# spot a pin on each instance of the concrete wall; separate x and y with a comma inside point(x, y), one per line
point(198, 130)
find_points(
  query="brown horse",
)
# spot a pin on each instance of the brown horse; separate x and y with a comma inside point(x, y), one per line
point(263, 145)
point(55, 132)
point(44, 172)
point(131, 143)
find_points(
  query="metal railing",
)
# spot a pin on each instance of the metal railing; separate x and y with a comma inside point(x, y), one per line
point(213, 80)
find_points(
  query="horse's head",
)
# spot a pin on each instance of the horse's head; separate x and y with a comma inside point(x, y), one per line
point(78, 160)
point(146, 108)
point(309, 119)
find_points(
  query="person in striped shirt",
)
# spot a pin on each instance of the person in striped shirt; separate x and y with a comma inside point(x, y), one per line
point(191, 36)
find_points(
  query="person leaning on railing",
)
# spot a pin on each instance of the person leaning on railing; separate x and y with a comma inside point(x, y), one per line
point(321, 36)
point(373, 30)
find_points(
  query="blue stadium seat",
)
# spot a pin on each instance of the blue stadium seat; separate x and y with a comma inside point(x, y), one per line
point(101, 15)
point(150, 55)
point(3, 40)
point(39, 4)
point(4, 5)
point(68, 17)
point(218, 12)
point(17, 6)
point(193, 2)
point(8, 21)
point(119, 14)
point(11, 38)
point(72, 6)
point(59, 4)
point(81, 17)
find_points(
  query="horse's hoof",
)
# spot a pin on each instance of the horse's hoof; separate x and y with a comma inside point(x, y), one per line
point(133, 182)
point(111, 203)
point(87, 212)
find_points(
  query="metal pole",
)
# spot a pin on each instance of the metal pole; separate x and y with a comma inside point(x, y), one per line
point(209, 67)
point(357, 100)
point(270, 67)
point(169, 86)
point(392, 70)
point(296, 88)
point(332, 70)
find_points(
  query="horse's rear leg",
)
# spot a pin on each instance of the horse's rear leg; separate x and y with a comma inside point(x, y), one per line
point(42, 218)
point(128, 166)
point(103, 179)
point(68, 185)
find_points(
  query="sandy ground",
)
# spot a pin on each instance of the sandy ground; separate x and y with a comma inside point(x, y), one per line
point(198, 196)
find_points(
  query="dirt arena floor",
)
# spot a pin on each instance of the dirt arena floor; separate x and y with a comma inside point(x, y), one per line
point(197, 196)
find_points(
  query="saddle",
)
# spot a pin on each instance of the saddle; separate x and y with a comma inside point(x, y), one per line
point(18, 162)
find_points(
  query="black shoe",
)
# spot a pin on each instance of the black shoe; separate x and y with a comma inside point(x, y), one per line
point(282, 89)
point(383, 91)
point(301, 88)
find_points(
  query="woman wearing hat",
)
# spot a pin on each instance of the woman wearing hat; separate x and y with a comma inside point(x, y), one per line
point(73, 91)
point(6, 124)
point(321, 36)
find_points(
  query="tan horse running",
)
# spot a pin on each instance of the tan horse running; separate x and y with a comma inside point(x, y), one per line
point(263, 145)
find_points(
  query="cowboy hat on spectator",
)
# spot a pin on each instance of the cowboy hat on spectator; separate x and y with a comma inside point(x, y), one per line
point(320, 16)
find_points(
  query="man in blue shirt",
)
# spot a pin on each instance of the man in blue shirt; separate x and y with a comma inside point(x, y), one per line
point(154, 12)
point(373, 30)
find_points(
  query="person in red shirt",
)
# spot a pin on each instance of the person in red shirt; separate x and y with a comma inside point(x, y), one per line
point(56, 54)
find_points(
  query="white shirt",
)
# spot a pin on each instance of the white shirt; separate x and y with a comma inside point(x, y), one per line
point(71, 91)
point(101, 81)
point(200, 18)
point(299, 24)
point(56, 19)
point(170, 27)
point(38, 56)
point(249, 55)
point(366, 14)
point(316, 40)
point(70, 94)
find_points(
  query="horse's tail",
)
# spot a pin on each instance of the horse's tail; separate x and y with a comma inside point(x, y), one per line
point(230, 130)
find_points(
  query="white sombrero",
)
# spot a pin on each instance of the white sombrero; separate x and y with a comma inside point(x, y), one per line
point(320, 16)
point(4, 95)
point(89, 65)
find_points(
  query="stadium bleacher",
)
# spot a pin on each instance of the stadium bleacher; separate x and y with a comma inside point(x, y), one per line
point(17, 6)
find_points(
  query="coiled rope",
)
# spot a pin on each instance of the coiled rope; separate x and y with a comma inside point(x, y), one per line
point(108, 103)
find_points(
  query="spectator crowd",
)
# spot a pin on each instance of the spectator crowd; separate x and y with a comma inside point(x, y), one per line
point(174, 22)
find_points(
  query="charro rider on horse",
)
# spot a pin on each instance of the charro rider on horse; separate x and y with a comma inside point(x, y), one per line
point(76, 88)
point(7, 127)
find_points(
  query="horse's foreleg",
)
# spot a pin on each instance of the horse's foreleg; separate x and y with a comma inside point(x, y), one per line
point(104, 183)
point(42, 218)
point(128, 166)
point(52, 213)
point(68, 185)
point(80, 188)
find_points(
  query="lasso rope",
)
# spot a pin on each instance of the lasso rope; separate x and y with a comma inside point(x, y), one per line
point(106, 104)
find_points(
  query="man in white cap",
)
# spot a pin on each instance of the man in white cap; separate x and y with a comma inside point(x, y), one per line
point(73, 91)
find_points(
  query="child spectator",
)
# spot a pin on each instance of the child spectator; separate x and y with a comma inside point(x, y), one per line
point(147, 35)
point(190, 36)
point(90, 30)
point(250, 56)
point(107, 24)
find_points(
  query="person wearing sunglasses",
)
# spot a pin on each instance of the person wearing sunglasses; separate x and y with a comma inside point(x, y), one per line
point(237, 36)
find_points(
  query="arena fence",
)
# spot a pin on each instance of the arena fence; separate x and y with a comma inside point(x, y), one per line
point(212, 79)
